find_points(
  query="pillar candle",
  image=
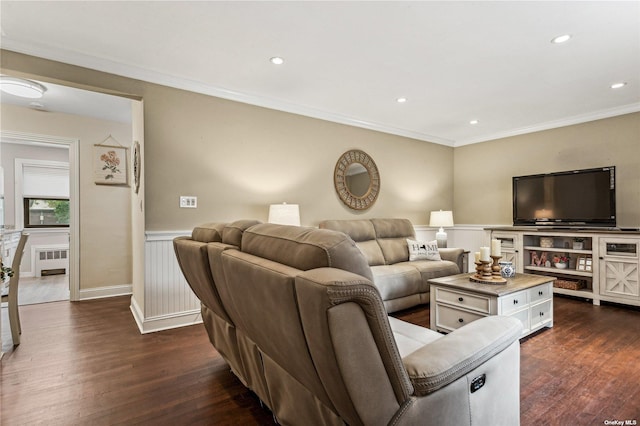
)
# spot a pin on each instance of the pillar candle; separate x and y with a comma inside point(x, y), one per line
point(484, 254)
point(496, 248)
point(477, 255)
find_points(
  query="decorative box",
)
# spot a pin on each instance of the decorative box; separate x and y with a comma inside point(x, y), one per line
point(546, 242)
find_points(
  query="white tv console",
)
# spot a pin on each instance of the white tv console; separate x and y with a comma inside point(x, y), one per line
point(607, 262)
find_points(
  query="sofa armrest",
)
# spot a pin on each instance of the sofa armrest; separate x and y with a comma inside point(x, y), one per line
point(454, 255)
point(445, 360)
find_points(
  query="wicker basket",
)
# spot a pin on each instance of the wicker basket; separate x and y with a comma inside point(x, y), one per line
point(570, 284)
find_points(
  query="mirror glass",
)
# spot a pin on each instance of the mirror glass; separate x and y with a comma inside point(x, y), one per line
point(356, 179)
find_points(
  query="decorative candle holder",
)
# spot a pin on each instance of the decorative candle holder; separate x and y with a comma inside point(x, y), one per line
point(478, 268)
point(488, 272)
point(495, 267)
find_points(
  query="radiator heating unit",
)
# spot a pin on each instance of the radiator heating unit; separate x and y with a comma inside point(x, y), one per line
point(52, 261)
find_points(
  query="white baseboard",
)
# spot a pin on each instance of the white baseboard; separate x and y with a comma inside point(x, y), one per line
point(163, 322)
point(109, 291)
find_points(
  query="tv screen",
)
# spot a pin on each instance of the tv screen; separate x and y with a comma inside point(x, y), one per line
point(580, 197)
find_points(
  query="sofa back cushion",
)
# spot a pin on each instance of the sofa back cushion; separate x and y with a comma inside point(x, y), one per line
point(208, 232)
point(232, 233)
point(305, 248)
point(392, 236)
point(364, 235)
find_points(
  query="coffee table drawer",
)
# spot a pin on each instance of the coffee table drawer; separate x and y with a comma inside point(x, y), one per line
point(541, 292)
point(541, 314)
point(523, 316)
point(475, 302)
point(449, 318)
point(513, 302)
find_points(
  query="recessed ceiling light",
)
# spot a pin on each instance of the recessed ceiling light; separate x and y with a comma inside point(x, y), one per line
point(618, 85)
point(22, 87)
point(277, 60)
point(401, 100)
point(561, 38)
point(474, 122)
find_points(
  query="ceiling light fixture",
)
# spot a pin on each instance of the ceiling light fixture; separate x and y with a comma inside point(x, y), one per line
point(276, 60)
point(561, 39)
point(21, 87)
point(401, 100)
point(618, 85)
point(474, 122)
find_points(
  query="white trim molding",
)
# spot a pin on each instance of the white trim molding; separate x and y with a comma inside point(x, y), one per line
point(73, 144)
point(107, 291)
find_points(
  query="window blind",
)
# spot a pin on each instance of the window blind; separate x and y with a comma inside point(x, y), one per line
point(45, 181)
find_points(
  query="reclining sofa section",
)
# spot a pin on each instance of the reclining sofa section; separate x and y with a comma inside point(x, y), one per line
point(402, 283)
point(295, 314)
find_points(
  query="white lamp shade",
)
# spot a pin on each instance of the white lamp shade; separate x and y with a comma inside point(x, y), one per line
point(284, 214)
point(441, 218)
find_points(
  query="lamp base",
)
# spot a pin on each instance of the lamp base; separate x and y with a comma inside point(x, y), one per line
point(441, 238)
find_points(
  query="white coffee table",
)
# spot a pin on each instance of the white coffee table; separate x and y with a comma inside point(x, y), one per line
point(456, 301)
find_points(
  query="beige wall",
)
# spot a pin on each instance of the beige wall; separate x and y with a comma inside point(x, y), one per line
point(105, 217)
point(483, 172)
point(237, 158)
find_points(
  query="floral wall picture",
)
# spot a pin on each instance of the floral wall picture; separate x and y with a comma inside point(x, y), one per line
point(110, 165)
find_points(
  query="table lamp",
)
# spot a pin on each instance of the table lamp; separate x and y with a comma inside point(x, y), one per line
point(441, 219)
point(284, 214)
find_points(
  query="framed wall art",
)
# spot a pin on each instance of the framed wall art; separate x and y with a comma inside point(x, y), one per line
point(110, 164)
point(137, 164)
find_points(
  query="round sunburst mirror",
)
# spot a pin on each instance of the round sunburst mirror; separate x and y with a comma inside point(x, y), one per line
point(357, 179)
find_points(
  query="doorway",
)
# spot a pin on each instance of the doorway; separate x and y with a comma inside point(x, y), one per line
point(106, 213)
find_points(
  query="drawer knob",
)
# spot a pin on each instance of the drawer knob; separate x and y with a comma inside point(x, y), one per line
point(515, 301)
point(460, 320)
point(460, 299)
point(541, 314)
point(540, 293)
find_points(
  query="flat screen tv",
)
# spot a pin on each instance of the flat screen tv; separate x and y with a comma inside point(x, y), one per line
point(573, 198)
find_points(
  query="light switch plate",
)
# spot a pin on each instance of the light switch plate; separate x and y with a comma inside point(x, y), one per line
point(188, 202)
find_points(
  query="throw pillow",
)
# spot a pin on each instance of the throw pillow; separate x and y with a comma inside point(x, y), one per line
point(423, 250)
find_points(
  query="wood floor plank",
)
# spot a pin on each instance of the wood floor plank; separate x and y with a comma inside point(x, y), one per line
point(86, 363)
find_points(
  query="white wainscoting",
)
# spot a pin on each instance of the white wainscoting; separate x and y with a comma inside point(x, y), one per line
point(170, 303)
point(468, 237)
point(168, 299)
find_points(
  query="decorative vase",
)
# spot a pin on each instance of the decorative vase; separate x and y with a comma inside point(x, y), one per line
point(507, 270)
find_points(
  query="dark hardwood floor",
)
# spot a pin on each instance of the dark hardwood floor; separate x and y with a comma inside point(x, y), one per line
point(86, 364)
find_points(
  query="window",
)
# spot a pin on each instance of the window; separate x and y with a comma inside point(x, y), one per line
point(46, 212)
point(42, 193)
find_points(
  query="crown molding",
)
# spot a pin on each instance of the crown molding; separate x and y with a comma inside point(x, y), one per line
point(138, 73)
point(577, 119)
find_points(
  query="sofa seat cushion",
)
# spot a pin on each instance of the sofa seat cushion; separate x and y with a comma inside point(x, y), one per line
point(429, 269)
point(395, 281)
point(410, 337)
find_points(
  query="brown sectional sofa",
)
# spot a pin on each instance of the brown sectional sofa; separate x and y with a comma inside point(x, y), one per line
point(402, 283)
point(294, 312)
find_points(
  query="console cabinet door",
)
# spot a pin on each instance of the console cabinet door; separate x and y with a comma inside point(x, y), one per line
point(619, 271)
point(510, 245)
